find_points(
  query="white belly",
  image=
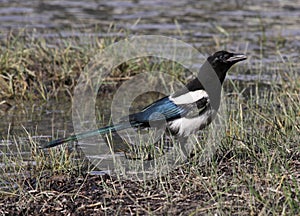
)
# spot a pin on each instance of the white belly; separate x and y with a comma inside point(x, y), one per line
point(187, 126)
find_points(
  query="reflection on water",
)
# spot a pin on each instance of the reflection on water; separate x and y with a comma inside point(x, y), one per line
point(36, 119)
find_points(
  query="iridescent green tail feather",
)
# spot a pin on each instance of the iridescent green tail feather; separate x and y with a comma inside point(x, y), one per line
point(100, 131)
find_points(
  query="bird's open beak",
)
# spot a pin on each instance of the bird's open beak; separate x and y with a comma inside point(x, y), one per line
point(236, 58)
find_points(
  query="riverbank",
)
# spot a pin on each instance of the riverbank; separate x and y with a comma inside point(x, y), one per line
point(255, 169)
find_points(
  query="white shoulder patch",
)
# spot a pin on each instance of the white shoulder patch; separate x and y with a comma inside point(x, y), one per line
point(190, 97)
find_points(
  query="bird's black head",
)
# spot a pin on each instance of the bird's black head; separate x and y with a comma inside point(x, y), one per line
point(221, 61)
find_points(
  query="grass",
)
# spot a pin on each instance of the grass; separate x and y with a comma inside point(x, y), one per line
point(254, 171)
point(31, 68)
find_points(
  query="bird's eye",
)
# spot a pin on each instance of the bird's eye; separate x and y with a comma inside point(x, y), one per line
point(226, 56)
point(221, 58)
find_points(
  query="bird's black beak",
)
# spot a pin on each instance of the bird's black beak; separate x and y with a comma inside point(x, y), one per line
point(236, 57)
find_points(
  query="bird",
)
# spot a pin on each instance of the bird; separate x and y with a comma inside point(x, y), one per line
point(185, 111)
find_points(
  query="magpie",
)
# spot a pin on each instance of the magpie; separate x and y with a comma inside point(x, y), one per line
point(185, 111)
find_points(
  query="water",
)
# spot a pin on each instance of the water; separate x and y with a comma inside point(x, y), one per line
point(266, 29)
point(193, 21)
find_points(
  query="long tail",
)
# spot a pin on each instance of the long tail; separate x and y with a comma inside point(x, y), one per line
point(104, 130)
